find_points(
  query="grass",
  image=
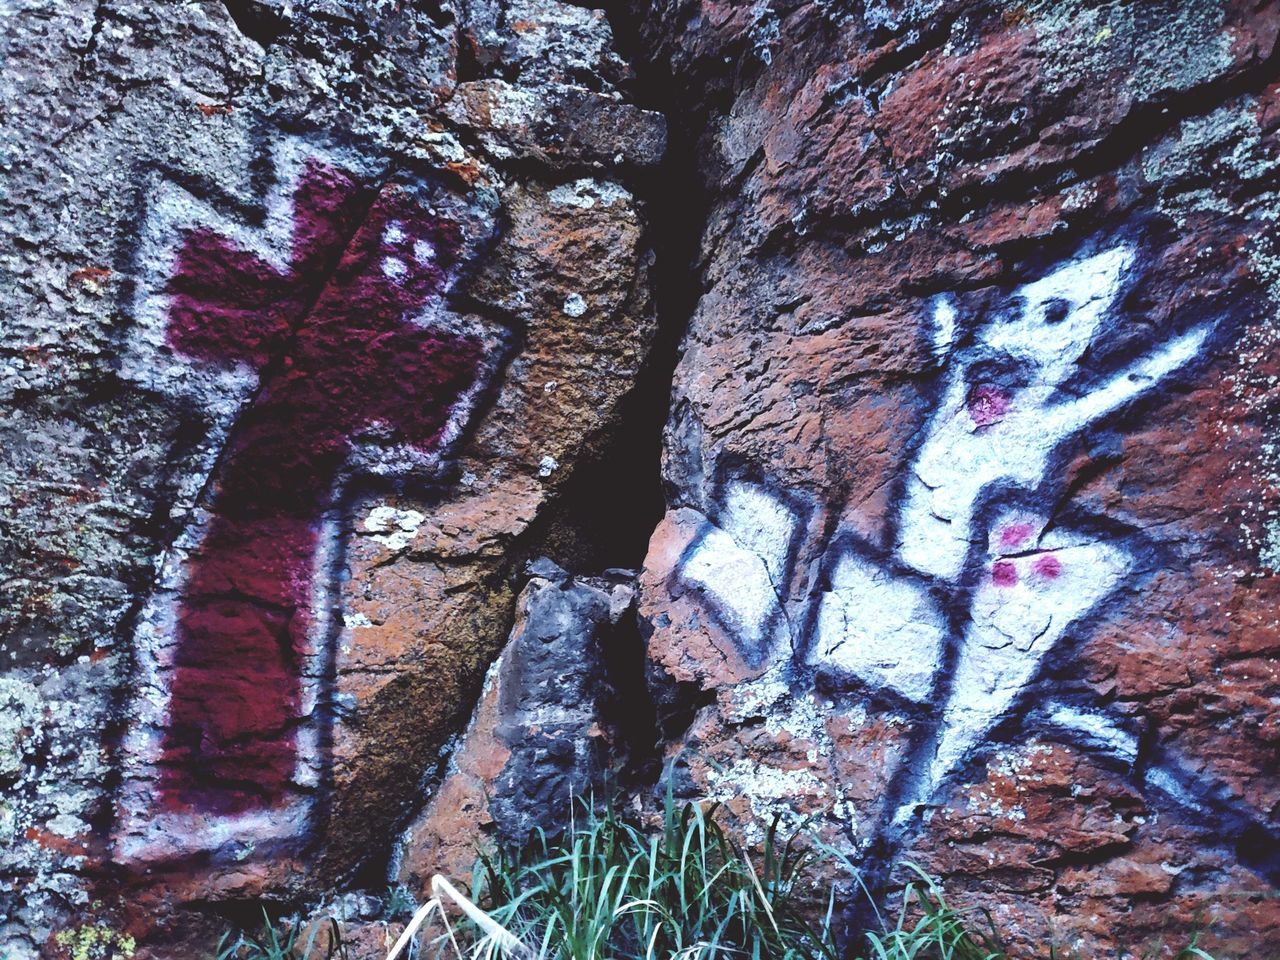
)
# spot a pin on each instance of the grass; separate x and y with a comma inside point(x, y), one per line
point(927, 927)
point(274, 943)
point(609, 890)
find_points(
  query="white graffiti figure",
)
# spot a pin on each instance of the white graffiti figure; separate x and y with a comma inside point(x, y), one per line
point(739, 563)
point(1007, 404)
point(984, 433)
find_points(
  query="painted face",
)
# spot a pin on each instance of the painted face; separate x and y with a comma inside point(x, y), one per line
point(1059, 318)
point(410, 255)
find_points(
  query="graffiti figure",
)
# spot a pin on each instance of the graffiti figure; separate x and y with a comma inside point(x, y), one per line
point(353, 371)
point(1004, 410)
point(956, 618)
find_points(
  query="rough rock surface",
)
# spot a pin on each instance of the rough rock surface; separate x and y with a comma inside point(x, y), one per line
point(972, 546)
point(313, 312)
point(323, 318)
point(543, 733)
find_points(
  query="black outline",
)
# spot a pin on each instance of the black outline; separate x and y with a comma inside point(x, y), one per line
point(384, 166)
point(731, 470)
point(1115, 348)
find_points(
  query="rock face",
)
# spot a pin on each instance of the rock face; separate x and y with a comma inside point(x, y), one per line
point(546, 728)
point(971, 536)
point(323, 319)
point(314, 311)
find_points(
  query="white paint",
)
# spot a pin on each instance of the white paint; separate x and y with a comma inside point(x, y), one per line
point(172, 213)
point(1025, 602)
point(1096, 727)
point(424, 251)
point(887, 631)
point(1011, 629)
point(759, 522)
point(547, 466)
point(395, 529)
point(741, 564)
point(737, 586)
point(574, 305)
point(144, 830)
point(1163, 780)
point(944, 326)
point(394, 267)
point(961, 458)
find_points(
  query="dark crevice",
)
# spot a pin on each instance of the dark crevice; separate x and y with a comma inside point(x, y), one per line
point(440, 13)
point(677, 703)
point(257, 21)
point(606, 511)
point(627, 706)
point(95, 32)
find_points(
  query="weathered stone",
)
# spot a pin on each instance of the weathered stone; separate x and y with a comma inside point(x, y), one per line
point(541, 734)
point(358, 938)
point(561, 126)
point(295, 372)
point(323, 319)
point(969, 465)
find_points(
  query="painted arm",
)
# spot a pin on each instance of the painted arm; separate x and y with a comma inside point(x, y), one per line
point(1066, 418)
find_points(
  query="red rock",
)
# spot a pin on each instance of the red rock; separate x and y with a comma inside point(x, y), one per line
point(887, 192)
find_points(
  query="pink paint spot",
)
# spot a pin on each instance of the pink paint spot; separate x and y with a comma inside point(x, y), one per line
point(1004, 573)
point(988, 405)
point(1047, 566)
point(338, 352)
point(1015, 534)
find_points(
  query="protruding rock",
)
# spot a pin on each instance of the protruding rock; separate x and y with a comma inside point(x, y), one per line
point(540, 734)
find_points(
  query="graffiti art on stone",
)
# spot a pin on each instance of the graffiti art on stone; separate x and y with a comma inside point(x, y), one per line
point(741, 562)
point(319, 342)
point(988, 572)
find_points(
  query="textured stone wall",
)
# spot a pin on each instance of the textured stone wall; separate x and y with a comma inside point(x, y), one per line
point(972, 532)
point(313, 311)
point(323, 321)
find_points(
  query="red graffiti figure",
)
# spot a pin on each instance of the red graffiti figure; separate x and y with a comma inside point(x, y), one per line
point(339, 358)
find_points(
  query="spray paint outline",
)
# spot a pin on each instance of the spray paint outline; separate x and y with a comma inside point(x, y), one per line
point(139, 834)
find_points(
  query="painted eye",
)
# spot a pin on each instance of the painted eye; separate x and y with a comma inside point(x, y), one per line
point(423, 251)
point(1055, 311)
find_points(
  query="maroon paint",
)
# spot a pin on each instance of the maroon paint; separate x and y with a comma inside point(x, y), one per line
point(988, 405)
point(339, 358)
point(1048, 566)
point(1015, 534)
point(1004, 573)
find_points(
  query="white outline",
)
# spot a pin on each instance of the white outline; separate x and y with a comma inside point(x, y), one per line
point(142, 833)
